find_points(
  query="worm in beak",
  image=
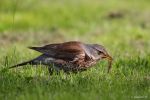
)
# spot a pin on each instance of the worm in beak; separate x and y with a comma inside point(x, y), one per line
point(110, 59)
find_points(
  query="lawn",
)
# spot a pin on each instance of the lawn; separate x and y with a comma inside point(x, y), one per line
point(122, 26)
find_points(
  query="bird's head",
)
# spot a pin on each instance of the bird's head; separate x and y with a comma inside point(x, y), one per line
point(103, 54)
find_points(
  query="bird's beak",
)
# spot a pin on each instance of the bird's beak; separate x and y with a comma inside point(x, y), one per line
point(110, 59)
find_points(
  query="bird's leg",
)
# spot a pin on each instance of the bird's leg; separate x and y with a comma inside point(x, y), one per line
point(50, 70)
point(53, 70)
point(57, 70)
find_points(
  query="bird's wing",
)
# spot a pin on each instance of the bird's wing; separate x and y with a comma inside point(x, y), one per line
point(69, 51)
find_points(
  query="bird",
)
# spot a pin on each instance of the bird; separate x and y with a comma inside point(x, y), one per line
point(72, 56)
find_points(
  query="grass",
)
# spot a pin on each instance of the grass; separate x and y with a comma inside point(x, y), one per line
point(36, 22)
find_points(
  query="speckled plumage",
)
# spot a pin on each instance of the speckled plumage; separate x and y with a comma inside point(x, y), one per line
point(70, 56)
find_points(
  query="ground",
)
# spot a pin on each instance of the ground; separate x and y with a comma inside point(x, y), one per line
point(122, 26)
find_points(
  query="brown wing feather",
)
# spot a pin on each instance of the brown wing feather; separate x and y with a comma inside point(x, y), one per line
point(67, 51)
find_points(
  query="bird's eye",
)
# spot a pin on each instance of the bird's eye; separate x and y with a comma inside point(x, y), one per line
point(100, 52)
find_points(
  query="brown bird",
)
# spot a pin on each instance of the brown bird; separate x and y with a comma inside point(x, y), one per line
point(70, 56)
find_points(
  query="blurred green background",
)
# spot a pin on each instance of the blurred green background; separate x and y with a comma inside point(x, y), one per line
point(122, 26)
point(63, 20)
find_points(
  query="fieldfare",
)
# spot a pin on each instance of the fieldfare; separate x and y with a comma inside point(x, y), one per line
point(70, 56)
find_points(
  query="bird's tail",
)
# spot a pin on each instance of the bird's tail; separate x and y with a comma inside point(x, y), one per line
point(37, 61)
point(31, 62)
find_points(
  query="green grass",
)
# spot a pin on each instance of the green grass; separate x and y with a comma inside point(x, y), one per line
point(35, 22)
